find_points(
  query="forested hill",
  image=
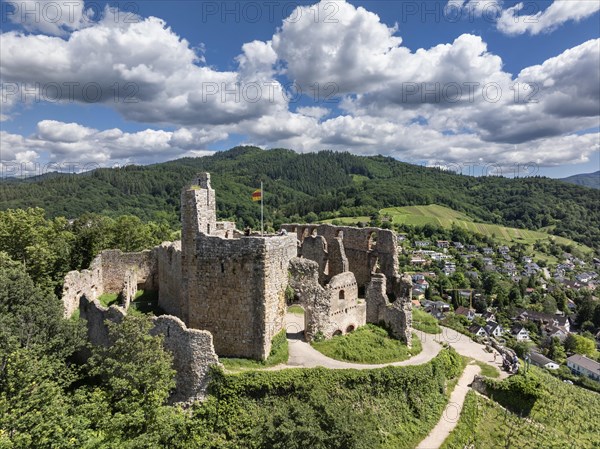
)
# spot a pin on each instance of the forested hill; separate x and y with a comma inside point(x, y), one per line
point(585, 179)
point(298, 186)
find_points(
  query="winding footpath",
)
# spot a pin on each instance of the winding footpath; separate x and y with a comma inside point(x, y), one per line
point(451, 415)
point(303, 355)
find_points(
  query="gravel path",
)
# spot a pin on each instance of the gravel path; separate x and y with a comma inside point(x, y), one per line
point(303, 355)
point(451, 415)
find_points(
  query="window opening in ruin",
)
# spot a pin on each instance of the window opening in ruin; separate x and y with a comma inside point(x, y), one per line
point(350, 328)
point(372, 240)
point(314, 232)
point(342, 294)
point(222, 267)
point(304, 233)
point(208, 228)
point(337, 332)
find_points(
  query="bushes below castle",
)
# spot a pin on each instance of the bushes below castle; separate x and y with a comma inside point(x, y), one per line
point(391, 407)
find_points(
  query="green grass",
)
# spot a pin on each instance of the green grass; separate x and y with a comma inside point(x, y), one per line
point(146, 302)
point(564, 416)
point(278, 355)
point(108, 299)
point(424, 322)
point(487, 370)
point(348, 221)
point(296, 310)
point(446, 217)
point(367, 344)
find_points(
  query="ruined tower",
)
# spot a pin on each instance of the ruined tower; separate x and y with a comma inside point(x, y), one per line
point(232, 285)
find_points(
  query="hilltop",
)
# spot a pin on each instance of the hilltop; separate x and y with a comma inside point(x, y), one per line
point(310, 187)
point(585, 179)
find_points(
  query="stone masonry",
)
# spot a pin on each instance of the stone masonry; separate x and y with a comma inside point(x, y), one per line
point(226, 290)
point(371, 256)
point(192, 350)
point(233, 286)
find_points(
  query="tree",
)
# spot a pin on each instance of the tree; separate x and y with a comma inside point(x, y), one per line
point(585, 310)
point(31, 317)
point(135, 375)
point(556, 351)
point(130, 234)
point(580, 345)
point(549, 305)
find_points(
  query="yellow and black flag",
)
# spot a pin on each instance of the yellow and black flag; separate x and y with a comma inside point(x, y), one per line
point(257, 195)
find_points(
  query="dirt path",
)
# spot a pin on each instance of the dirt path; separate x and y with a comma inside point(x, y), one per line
point(303, 355)
point(451, 415)
point(469, 348)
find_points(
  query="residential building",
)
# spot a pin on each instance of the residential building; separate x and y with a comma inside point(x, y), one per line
point(477, 330)
point(468, 313)
point(519, 332)
point(582, 366)
point(494, 329)
point(542, 361)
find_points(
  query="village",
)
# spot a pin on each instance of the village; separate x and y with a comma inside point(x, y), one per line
point(511, 296)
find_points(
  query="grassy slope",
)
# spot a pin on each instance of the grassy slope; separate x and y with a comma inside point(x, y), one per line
point(367, 344)
point(424, 322)
point(389, 408)
point(565, 417)
point(446, 217)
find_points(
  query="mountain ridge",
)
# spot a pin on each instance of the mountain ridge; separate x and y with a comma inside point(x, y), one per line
point(311, 186)
point(591, 180)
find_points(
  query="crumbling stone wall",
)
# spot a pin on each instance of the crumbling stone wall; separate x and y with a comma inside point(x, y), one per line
point(366, 250)
point(112, 271)
point(396, 316)
point(315, 248)
point(97, 316)
point(193, 356)
point(192, 350)
point(169, 278)
point(130, 287)
point(330, 310)
point(78, 283)
point(116, 263)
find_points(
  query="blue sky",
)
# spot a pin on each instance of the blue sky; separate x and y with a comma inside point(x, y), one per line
point(471, 85)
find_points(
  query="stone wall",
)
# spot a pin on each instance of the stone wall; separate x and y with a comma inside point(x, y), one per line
point(315, 248)
point(96, 317)
point(330, 310)
point(169, 278)
point(396, 316)
point(192, 350)
point(78, 283)
point(236, 290)
point(112, 271)
point(193, 356)
point(365, 250)
point(116, 263)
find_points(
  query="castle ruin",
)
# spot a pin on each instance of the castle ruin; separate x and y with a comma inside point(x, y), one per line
point(225, 292)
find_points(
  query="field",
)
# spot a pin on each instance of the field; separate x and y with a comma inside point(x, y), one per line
point(446, 217)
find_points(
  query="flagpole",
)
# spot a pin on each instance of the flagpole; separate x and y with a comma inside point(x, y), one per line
point(262, 204)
